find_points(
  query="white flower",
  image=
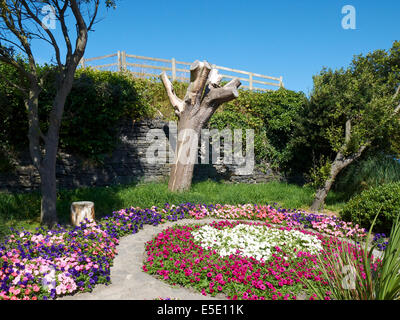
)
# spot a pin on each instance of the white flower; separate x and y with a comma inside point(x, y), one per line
point(255, 241)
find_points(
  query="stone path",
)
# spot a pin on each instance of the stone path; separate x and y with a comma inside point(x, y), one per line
point(129, 282)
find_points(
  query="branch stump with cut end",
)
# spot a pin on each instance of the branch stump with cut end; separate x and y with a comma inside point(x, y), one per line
point(80, 211)
point(204, 95)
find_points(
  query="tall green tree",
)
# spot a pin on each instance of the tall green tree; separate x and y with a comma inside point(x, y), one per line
point(359, 109)
point(24, 24)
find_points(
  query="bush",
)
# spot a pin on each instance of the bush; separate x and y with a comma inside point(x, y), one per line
point(363, 208)
point(90, 119)
point(98, 100)
point(13, 119)
point(271, 114)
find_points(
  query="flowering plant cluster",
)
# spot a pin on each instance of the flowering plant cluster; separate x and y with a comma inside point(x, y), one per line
point(293, 218)
point(182, 255)
point(331, 225)
point(256, 241)
point(380, 241)
point(50, 264)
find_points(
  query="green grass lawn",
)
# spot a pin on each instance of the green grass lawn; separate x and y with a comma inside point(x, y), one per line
point(23, 210)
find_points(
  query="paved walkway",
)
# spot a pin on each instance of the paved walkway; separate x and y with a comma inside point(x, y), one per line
point(129, 282)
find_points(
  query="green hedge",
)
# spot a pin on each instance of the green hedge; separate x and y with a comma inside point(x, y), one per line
point(99, 99)
point(272, 114)
point(97, 102)
point(363, 208)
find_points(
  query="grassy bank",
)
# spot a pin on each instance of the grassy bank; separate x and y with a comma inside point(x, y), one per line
point(23, 210)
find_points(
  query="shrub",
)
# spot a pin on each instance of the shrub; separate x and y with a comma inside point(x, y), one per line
point(272, 115)
point(363, 208)
point(92, 117)
point(98, 100)
point(13, 119)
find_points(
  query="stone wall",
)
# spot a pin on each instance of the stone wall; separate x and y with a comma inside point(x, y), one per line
point(127, 164)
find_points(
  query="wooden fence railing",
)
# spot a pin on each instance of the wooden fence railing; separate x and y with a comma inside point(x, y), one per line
point(176, 70)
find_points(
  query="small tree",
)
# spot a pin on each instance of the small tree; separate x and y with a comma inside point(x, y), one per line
point(202, 99)
point(362, 104)
point(21, 23)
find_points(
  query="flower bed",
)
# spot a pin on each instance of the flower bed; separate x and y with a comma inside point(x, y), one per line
point(235, 264)
point(49, 264)
point(293, 218)
point(52, 263)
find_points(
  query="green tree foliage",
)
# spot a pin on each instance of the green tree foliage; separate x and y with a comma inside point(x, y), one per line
point(98, 100)
point(272, 114)
point(13, 128)
point(363, 94)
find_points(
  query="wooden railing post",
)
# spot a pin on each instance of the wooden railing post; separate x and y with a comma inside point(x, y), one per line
point(281, 82)
point(250, 81)
point(119, 61)
point(123, 57)
point(173, 62)
point(82, 63)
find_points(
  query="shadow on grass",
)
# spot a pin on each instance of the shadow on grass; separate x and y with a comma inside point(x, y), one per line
point(20, 210)
point(106, 200)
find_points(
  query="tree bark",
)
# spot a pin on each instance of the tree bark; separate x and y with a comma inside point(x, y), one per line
point(48, 166)
point(203, 97)
point(185, 156)
point(322, 192)
point(48, 213)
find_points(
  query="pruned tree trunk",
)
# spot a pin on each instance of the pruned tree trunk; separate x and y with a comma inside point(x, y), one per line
point(337, 166)
point(48, 212)
point(80, 211)
point(202, 99)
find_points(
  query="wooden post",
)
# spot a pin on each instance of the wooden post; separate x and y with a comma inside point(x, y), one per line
point(173, 61)
point(80, 211)
point(123, 58)
point(250, 81)
point(119, 61)
point(82, 63)
point(281, 82)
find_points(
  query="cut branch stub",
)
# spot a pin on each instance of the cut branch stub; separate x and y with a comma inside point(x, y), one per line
point(177, 103)
point(217, 95)
point(214, 78)
point(199, 72)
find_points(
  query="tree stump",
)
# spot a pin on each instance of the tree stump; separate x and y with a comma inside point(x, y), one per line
point(204, 95)
point(80, 211)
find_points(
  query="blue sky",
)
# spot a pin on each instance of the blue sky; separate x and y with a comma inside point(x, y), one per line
point(291, 38)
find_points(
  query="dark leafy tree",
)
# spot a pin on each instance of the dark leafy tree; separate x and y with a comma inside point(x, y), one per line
point(24, 24)
point(358, 107)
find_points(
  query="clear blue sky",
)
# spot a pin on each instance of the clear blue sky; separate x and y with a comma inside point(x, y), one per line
point(291, 38)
